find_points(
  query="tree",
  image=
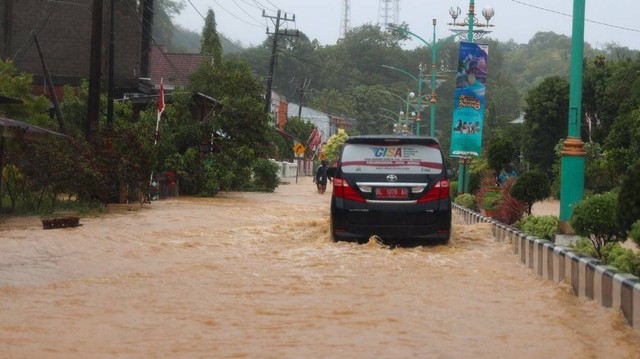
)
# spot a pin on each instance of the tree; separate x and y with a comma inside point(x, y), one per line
point(17, 85)
point(334, 146)
point(531, 187)
point(500, 153)
point(628, 209)
point(546, 121)
point(595, 218)
point(163, 28)
point(210, 42)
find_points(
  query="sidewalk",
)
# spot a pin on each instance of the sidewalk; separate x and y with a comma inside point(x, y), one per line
point(546, 207)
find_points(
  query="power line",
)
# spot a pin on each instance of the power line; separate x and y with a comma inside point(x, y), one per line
point(244, 11)
point(219, 34)
point(261, 6)
point(234, 15)
point(569, 15)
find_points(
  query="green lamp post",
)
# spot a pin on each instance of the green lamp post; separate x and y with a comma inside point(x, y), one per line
point(407, 102)
point(434, 45)
point(419, 81)
point(573, 153)
point(468, 24)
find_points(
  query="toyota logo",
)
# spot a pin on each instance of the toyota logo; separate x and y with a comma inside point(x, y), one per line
point(392, 178)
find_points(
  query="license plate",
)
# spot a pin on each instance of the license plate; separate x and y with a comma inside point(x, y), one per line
point(392, 193)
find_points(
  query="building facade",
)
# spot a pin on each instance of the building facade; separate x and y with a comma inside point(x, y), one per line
point(63, 29)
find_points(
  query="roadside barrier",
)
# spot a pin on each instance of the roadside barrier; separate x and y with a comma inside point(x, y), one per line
point(588, 277)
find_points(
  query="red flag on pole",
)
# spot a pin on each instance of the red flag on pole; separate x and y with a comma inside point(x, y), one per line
point(312, 136)
point(161, 98)
point(317, 141)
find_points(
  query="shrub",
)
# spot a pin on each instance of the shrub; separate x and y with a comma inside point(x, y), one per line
point(634, 234)
point(466, 200)
point(595, 218)
point(477, 171)
point(492, 200)
point(624, 259)
point(531, 187)
point(540, 226)
point(265, 175)
point(584, 247)
point(510, 209)
point(453, 189)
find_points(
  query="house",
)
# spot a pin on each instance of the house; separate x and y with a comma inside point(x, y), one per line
point(63, 30)
point(173, 69)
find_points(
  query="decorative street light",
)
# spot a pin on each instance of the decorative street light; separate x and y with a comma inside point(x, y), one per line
point(419, 81)
point(407, 102)
point(470, 22)
point(434, 45)
point(396, 119)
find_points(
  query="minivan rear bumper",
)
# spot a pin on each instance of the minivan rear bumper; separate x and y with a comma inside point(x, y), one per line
point(438, 232)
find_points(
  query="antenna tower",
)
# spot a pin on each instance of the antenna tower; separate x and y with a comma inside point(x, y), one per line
point(345, 19)
point(388, 12)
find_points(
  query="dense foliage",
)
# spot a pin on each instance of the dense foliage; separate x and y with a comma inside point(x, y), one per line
point(614, 254)
point(595, 219)
point(628, 209)
point(500, 152)
point(540, 226)
point(466, 200)
point(531, 187)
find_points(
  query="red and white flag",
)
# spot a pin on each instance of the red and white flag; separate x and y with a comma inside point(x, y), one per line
point(160, 110)
point(161, 98)
point(317, 141)
point(312, 136)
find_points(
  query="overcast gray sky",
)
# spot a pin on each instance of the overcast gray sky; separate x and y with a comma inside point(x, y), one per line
point(607, 21)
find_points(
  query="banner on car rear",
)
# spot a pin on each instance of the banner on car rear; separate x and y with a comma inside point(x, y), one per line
point(399, 158)
point(468, 110)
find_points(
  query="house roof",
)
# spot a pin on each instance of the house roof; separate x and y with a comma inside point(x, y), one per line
point(173, 68)
point(17, 129)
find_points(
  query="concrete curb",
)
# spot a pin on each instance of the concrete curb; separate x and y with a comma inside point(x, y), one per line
point(587, 276)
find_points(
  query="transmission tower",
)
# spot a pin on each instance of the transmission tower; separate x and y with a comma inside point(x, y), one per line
point(388, 12)
point(345, 19)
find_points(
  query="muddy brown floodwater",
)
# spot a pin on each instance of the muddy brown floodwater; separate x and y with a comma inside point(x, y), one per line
point(255, 275)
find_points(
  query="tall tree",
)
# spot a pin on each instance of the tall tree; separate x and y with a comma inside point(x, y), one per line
point(163, 28)
point(210, 42)
point(546, 121)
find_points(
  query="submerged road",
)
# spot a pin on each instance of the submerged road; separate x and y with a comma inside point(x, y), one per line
point(255, 275)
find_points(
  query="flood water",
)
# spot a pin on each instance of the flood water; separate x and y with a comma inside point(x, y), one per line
point(256, 275)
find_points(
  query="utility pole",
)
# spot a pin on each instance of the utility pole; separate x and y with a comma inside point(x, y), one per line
point(112, 45)
point(147, 27)
point(93, 108)
point(274, 50)
point(303, 87)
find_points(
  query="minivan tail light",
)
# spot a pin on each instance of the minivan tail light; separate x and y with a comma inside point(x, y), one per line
point(438, 192)
point(341, 189)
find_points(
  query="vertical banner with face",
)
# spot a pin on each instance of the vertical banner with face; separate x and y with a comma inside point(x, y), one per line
point(468, 110)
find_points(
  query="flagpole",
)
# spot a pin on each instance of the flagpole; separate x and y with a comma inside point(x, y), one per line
point(160, 110)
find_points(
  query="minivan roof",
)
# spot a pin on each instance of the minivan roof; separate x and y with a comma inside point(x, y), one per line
point(392, 139)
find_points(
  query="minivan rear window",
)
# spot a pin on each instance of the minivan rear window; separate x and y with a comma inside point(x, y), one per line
point(397, 158)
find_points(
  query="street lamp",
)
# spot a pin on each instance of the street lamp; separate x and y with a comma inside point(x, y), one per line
point(472, 34)
point(410, 97)
point(407, 102)
point(419, 81)
point(434, 45)
point(471, 21)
